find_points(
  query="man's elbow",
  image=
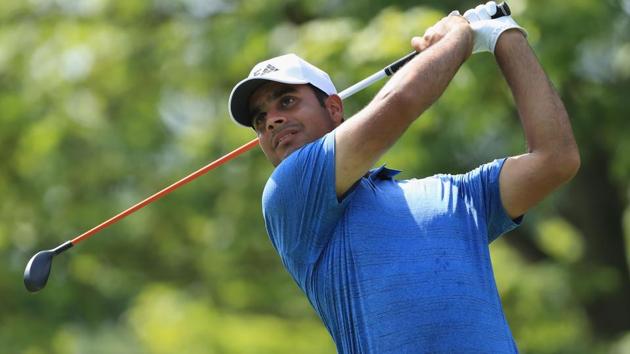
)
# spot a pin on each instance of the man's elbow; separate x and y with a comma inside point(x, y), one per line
point(573, 163)
point(562, 155)
point(565, 163)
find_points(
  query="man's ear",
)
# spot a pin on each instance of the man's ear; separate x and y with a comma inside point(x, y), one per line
point(334, 106)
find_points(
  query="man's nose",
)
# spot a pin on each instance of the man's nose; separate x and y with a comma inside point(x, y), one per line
point(274, 121)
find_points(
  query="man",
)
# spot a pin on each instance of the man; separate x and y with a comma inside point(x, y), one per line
point(401, 266)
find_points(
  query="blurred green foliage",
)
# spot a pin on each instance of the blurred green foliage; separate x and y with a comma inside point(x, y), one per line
point(104, 102)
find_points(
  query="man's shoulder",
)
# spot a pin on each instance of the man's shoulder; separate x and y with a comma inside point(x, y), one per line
point(311, 163)
point(492, 167)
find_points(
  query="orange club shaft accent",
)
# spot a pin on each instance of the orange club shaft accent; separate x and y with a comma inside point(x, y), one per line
point(200, 172)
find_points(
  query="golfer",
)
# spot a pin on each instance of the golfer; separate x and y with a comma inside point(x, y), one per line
point(401, 266)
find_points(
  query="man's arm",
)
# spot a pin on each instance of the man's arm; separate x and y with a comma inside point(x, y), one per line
point(553, 156)
point(362, 140)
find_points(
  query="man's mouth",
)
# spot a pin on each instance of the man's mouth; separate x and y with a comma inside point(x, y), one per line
point(283, 136)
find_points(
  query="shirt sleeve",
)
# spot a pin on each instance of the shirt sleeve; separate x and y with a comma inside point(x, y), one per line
point(483, 189)
point(300, 205)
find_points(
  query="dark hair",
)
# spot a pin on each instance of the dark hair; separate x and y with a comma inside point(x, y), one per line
point(319, 94)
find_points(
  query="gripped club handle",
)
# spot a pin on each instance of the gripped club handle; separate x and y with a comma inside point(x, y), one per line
point(502, 10)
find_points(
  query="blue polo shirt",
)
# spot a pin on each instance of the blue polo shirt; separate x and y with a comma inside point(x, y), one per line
point(395, 266)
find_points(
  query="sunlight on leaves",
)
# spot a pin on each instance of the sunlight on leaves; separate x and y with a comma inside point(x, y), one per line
point(560, 240)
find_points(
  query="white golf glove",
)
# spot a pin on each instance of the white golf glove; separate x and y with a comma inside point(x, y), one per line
point(487, 30)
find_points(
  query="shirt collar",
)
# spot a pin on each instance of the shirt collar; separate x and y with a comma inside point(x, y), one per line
point(382, 173)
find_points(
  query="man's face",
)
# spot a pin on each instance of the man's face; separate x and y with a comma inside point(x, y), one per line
point(287, 117)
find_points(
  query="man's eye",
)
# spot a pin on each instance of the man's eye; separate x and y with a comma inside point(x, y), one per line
point(287, 101)
point(259, 119)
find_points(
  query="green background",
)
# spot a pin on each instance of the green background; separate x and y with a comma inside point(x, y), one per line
point(104, 102)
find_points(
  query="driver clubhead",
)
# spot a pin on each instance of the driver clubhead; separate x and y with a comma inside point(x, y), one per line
point(37, 270)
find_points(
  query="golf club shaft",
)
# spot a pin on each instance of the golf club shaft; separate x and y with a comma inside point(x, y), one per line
point(200, 172)
point(502, 10)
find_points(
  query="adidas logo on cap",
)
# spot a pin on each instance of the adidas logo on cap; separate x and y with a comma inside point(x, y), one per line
point(266, 70)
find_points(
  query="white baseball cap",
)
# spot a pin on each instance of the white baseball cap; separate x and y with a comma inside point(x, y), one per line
point(287, 69)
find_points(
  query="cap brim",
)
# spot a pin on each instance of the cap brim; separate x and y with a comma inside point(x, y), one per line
point(239, 98)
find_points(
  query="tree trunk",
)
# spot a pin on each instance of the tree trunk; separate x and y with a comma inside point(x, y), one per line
point(595, 206)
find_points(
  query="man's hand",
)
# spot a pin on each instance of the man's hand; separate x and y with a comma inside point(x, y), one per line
point(487, 30)
point(436, 32)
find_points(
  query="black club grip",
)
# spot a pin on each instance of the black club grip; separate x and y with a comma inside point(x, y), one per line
point(502, 10)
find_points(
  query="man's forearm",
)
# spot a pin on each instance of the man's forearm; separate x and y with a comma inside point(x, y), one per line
point(543, 116)
point(423, 80)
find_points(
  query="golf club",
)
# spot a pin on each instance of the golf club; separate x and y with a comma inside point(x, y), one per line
point(38, 268)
